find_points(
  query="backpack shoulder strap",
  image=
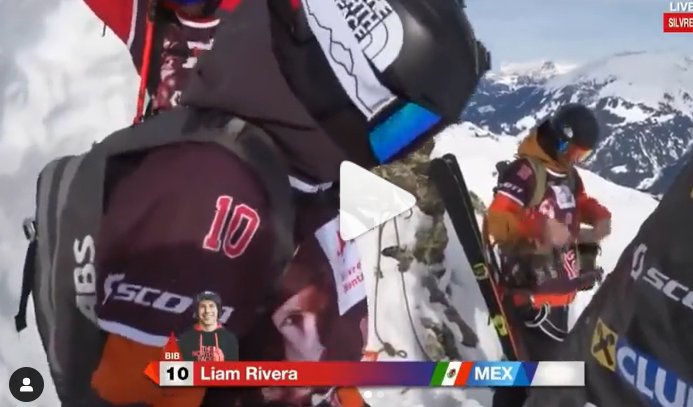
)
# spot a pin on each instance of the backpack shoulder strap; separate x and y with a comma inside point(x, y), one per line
point(572, 180)
point(158, 17)
point(539, 181)
point(254, 147)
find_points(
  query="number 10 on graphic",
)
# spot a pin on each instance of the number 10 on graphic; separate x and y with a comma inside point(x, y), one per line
point(174, 374)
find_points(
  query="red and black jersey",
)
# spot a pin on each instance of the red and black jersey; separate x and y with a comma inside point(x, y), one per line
point(164, 44)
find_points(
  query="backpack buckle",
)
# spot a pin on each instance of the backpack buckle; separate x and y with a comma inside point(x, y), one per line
point(29, 228)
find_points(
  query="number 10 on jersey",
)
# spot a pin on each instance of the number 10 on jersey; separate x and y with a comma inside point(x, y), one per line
point(173, 374)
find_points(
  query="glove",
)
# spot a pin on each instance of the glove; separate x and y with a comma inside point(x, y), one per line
point(592, 279)
point(602, 229)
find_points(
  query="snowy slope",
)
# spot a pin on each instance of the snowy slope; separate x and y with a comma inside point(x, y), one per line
point(659, 74)
point(647, 111)
point(526, 73)
point(505, 97)
point(70, 87)
point(644, 101)
point(62, 89)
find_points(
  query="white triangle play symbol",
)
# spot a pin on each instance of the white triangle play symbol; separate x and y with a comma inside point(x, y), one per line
point(366, 200)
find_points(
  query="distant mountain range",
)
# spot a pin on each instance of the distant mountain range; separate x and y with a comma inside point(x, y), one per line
point(643, 99)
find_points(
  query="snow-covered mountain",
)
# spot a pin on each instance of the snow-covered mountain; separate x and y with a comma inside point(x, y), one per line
point(518, 74)
point(69, 87)
point(643, 99)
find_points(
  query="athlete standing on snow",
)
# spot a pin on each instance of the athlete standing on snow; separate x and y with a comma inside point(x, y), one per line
point(223, 191)
point(164, 38)
point(534, 220)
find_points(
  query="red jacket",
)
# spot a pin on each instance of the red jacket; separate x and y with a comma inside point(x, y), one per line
point(126, 18)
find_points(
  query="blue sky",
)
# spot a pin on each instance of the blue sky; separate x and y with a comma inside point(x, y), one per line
point(571, 30)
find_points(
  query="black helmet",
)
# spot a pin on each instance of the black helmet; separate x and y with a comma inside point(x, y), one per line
point(375, 78)
point(572, 128)
point(405, 68)
point(575, 124)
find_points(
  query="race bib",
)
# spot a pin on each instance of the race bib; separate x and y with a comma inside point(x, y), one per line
point(345, 261)
point(564, 196)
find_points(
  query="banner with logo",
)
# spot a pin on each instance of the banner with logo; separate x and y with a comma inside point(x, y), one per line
point(636, 336)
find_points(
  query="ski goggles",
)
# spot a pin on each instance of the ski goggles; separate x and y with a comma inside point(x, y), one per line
point(573, 152)
point(398, 126)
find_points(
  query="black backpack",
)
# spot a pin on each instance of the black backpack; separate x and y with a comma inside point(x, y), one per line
point(69, 202)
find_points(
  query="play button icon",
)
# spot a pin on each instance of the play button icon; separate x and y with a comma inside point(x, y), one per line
point(367, 201)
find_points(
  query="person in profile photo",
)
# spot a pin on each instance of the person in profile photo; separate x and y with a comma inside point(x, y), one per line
point(26, 386)
point(306, 324)
point(208, 340)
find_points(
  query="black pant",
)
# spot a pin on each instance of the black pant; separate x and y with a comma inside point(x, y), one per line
point(538, 346)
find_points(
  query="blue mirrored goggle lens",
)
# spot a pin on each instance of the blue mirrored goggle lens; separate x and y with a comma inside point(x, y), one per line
point(562, 146)
point(400, 130)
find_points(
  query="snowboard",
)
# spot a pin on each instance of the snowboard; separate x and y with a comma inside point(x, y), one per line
point(446, 175)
